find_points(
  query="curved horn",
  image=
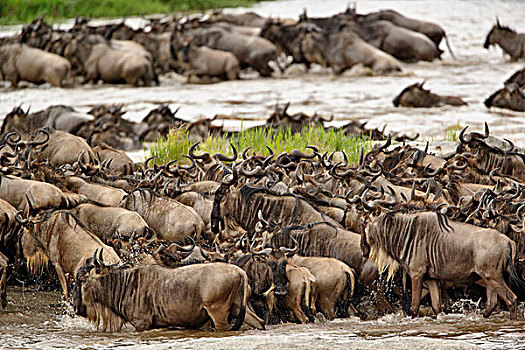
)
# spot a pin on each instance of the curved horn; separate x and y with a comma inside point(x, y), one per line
point(192, 154)
point(294, 250)
point(245, 153)
point(299, 154)
point(486, 134)
point(19, 219)
point(224, 158)
point(262, 252)
point(43, 142)
point(462, 136)
point(146, 162)
point(188, 167)
point(186, 249)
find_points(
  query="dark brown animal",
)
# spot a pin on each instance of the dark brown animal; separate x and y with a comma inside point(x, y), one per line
point(343, 49)
point(510, 97)
point(58, 117)
point(512, 43)
point(416, 96)
point(255, 52)
point(204, 61)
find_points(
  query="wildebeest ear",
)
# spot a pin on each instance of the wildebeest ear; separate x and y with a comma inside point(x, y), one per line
point(498, 25)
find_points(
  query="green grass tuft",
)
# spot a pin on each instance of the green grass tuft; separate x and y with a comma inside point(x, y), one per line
point(177, 144)
point(24, 11)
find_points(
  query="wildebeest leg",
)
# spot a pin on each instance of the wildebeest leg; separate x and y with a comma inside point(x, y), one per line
point(295, 305)
point(142, 325)
point(62, 278)
point(504, 292)
point(327, 307)
point(435, 295)
point(219, 315)
point(252, 320)
point(417, 283)
point(492, 302)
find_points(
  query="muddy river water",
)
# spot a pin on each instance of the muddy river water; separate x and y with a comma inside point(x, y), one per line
point(38, 320)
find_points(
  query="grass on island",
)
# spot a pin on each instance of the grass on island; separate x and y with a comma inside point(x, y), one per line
point(327, 140)
point(24, 11)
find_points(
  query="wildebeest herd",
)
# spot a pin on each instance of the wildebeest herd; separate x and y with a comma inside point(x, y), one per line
point(258, 239)
point(222, 241)
point(218, 46)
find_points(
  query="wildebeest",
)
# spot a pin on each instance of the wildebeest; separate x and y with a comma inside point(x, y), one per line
point(170, 219)
point(201, 203)
point(111, 62)
point(67, 243)
point(416, 96)
point(287, 38)
point(116, 161)
point(204, 61)
point(334, 281)
point(433, 31)
point(29, 195)
point(58, 117)
point(511, 42)
point(242, 19)
point(343, 49)
point(153, 296)
point(295, 284)
point(98, 193)
point(401, 43)
point(510, 97)
point(255, 52)
point(111, 222)
point(3, 280)
point(21, 62)
point(430, 250)
point(59, 147)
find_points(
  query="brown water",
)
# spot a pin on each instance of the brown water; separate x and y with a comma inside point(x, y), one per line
point(38, 320)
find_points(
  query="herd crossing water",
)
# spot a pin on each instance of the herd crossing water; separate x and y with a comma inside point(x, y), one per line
point(36, 319)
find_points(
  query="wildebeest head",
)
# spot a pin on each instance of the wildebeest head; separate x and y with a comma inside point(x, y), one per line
point(93, 266)
point(82, 274)
point(258, 271)
point(217, 222)
point(496, 33)
point(280, 280)
point(16, 119)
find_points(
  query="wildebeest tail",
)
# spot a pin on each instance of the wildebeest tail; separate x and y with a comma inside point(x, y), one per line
point(244, 300)
point(516, 282)
point(350, 284)
point(449, 48)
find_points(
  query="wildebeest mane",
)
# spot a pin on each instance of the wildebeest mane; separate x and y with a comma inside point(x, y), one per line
point(505, 28)
point(398, 236)
point(247, 192)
